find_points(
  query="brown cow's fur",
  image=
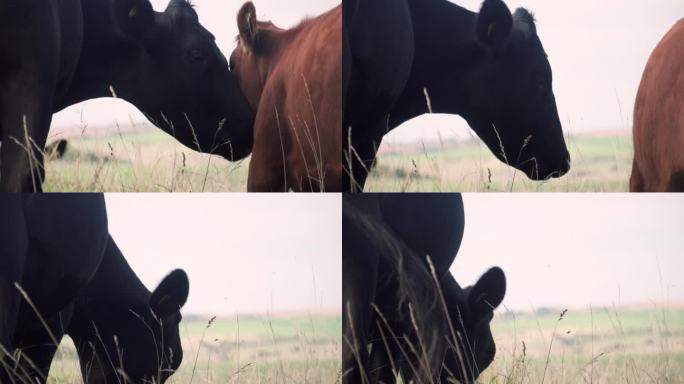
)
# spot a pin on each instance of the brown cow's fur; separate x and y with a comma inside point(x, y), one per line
point(293, 78)
point(659, 119)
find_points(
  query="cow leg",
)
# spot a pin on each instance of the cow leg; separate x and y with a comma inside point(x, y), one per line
point(13, 246)
point(357, 295)
point(359, 276)
point(272, 170)
point(386, 353)
point(26, 122)
point(266, 174)
point(38, 347)
point(381, 361)
point(27, 89)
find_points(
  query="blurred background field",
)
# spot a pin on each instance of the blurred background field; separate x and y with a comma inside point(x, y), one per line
point(601, 162)
point(138, 158)
point(246, 349)
point(638, 344)
point(148, 160)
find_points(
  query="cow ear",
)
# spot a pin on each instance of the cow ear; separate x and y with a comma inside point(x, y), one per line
point(134, 17)
point(247, 25)
point(494, 23)
point(488, 292)
point(171, 294)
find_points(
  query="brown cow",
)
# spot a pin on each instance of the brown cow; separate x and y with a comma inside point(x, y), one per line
point(659, 119)
point(293, 78)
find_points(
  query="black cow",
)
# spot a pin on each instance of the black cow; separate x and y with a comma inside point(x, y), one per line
point(79, 283)
point(57, 53)
point(471, 347)
point(385, 241)
point(488, 67)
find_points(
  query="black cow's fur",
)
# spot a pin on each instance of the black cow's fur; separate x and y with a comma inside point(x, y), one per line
point(57, 53)
point(386, 239)
point(471, 348)
point(488, 67)
point(79, 283)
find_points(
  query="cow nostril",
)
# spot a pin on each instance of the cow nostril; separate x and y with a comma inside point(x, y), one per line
point(567, 166)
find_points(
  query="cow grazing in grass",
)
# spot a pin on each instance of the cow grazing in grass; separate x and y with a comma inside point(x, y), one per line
point(386, 239)
point(659, 119)
point(471, 348)
point(292, 79)
point(488, 67)
point(79, 283)
point(57, 53)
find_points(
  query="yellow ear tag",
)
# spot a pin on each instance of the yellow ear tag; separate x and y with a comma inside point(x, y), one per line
point(133, 12)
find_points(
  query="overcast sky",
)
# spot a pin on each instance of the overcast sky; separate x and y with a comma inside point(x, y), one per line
point(576, 250)
point(257, 253)
point(243, 254)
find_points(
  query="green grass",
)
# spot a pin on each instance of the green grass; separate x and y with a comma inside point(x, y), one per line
point(604, 345)
point(148, 161)
point(151, 161)
point(600, 318)
point(642, 344)
point(259, 328)
point(245, 350)
point(600, 163)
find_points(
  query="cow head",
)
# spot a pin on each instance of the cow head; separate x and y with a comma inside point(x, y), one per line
point(179, 78)
point(471, 311)
point(125, 339)
point(511, 104)
point(248, 60)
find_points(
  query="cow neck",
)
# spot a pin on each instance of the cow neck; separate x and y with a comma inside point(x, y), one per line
point(105, 52)
point(275, 42)
point(115, 289)
point(115, 282)
point(278, 43)
point(445, 53)
point(454, 294)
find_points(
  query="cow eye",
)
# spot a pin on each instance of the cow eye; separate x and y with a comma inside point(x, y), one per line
point(197, 55)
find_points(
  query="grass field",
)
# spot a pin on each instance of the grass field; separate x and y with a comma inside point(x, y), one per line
point(638, 344)
point(253, 350)
point(148, 160)
point(603, 345)
point(600, 163)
